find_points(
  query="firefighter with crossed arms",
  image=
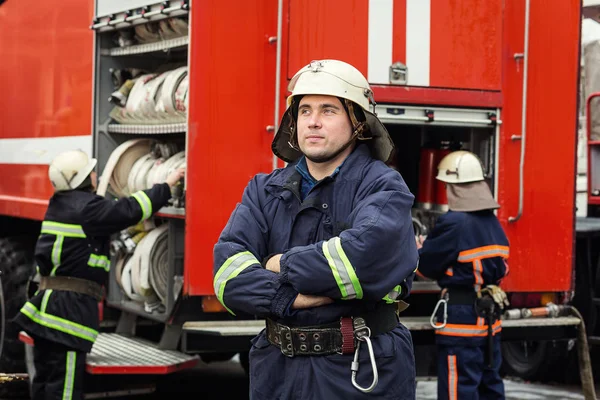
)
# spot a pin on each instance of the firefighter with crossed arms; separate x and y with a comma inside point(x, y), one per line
point(466, 253)
point(72, 256)
point(324, 249)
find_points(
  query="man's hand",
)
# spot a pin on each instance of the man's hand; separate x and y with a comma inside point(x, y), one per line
point(310, 301)
point(175, 176)
point(273, 263)
point(419, 240)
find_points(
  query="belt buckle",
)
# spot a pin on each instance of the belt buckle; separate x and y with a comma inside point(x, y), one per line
point(286, 341)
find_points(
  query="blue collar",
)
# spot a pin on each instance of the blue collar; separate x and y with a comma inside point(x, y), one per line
point(308, 181)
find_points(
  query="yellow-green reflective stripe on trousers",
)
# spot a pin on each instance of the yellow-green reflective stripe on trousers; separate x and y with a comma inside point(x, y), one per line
point(69, 375)
point(230, 269)
point(342, 269)
point(60, 324)
point(58, 228)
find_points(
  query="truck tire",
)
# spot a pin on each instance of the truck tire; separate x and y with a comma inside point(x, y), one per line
point(16, 267)
point(533, 360)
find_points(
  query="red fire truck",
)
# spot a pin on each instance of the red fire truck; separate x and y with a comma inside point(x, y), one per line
point(146, 85)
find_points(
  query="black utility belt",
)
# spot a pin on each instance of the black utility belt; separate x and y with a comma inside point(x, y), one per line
point(461, 296)
point(336, 337)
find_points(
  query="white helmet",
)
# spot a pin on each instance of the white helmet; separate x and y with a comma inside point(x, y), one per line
point(331, 78)
point(460, 167)
point(68, 170)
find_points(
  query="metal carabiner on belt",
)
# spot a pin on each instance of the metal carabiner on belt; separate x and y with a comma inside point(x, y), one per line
point(442, 301)
point(363, 334)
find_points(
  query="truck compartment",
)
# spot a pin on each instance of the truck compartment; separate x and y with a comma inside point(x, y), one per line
point(423, 136)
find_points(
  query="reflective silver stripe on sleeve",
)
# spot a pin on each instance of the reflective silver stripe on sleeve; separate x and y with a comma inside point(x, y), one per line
point(393, 294)
point(145, 203)
point(58, 228)
point(229, 270)
point(99, 262)
point(342, 269)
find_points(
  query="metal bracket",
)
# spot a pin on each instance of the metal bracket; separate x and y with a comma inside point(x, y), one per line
point(430, 114)
point(170, 337)
point(398, 73)
point(126, 324)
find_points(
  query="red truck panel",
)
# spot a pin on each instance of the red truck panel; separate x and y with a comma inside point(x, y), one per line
point(232, 89)
point(46, 92)
point(454, 44)
point(47, 53)
point(542, 241)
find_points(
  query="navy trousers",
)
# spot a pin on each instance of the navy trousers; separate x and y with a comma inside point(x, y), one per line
point(463, 372)
point(59, 371)
point(274, 376)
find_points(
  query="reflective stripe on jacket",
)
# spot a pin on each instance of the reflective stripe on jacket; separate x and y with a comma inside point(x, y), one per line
point(465, 250)
point(75, 241)
point(350, 239)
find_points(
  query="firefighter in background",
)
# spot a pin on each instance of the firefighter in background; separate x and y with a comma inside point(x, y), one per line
point(466, 253)
point(72, 256)
point(324, 249)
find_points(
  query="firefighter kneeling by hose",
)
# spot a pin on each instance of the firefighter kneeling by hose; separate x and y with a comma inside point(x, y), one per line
point(467, 252)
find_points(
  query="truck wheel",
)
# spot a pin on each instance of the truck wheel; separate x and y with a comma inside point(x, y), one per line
point(533, 360)
point(16, 267)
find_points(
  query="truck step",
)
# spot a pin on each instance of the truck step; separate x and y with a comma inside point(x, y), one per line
point(114, 353)
point(253, 327)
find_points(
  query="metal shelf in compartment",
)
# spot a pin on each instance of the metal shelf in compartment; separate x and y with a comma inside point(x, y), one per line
point(148, 129)
point(163, 45)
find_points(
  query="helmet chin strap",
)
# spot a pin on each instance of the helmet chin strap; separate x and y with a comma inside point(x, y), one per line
point(360, 128)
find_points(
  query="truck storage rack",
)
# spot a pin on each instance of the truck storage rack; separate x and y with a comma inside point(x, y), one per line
point(171, 212)
point(163, 45)
point(118, 354)
point(147, 129)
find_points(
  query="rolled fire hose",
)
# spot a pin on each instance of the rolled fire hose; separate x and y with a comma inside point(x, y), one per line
point(152, 99)
point(159, 266)
point(166, 31)
point(160, 172)
point(117, 169)
point(152, 89)
point(137, 177)
point(126, 280)
point(167, 102)
point(181, 95)
point(119, 268)
point(140, 270)
point(179, 25)
point(147, 33)
point(136, 97)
